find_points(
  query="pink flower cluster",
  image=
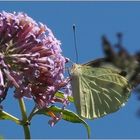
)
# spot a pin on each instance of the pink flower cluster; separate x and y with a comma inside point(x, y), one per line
point(30, 59)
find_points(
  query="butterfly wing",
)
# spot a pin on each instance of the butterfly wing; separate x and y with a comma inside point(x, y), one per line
point(98, 91)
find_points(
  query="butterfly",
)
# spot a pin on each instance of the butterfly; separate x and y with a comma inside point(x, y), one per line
point(98, 91)
point(100, 87)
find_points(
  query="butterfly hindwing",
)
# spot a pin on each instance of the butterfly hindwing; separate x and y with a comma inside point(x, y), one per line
point(98, 91)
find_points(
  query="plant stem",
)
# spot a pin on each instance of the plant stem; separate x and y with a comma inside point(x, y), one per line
point(24, 119)
point(32, 113)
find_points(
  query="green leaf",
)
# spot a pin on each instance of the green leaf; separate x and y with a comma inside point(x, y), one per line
point(6, 116)
point(98, 91)
point(61, 95)
point(67, 115)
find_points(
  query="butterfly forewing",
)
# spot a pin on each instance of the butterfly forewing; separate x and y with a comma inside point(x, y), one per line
point(98, 91)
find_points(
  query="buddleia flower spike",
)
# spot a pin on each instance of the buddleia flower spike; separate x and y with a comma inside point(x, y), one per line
point(30, 59)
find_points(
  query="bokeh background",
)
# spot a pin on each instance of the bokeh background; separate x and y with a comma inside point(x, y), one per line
point(92, 20)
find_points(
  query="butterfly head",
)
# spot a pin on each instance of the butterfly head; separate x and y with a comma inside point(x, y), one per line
point(76, 68)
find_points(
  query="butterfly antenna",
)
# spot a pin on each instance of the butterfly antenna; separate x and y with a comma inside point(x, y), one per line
point(75, 43)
